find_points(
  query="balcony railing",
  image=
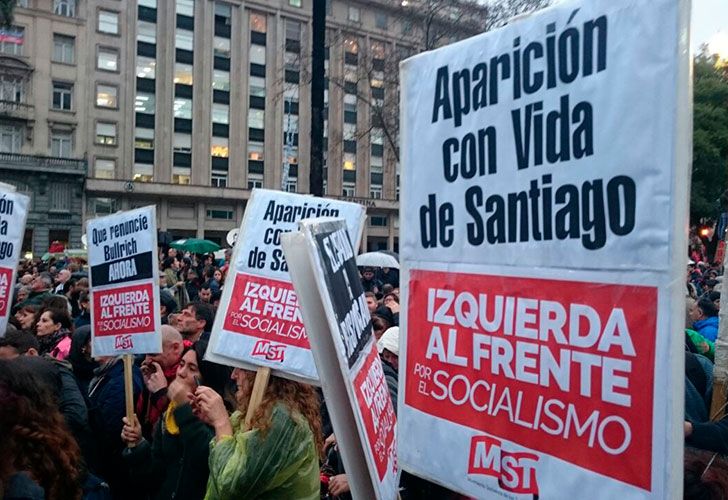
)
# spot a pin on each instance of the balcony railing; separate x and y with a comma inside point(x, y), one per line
point(42, 163)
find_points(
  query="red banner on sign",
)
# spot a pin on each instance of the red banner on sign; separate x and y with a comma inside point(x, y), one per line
point(377, 410)
point(266, 309)
point(564, 368)
point(6, 286)
point(125, 310)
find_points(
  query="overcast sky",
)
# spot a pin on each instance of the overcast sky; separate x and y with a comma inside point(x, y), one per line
point(709, 17)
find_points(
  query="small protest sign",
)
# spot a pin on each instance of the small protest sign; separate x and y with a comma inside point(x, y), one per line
point(544, 207)
point(323, 263)
point(259, 322)
point(125, 311)
point(13, 214)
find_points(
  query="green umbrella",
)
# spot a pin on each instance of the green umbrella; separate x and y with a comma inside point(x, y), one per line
point(195, 245)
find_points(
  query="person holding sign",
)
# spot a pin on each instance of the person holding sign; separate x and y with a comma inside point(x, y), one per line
point(277, 455)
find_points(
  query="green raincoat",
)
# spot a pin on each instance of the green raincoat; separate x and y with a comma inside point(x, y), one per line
point(282, 465)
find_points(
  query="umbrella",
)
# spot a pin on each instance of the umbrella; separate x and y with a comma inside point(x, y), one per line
point(195, 245)
point(377, 259)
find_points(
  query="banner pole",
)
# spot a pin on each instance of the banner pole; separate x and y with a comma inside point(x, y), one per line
point(259, 386)
point(129, 389)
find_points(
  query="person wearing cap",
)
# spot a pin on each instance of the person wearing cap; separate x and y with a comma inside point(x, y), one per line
point(388, 347)
point(369, 282)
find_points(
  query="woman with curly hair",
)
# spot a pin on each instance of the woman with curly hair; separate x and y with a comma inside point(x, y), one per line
point(38, 456)
point(277, 455)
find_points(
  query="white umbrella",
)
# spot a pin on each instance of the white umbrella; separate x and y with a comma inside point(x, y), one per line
point(376, 259)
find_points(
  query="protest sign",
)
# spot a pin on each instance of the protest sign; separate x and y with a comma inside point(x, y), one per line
point(122, 256)
point(259, 322)
point(324, 271)
point(13, 213)
point(544, 207)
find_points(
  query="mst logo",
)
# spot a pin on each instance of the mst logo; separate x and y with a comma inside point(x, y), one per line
point(268, 350)
point(515, 471)
point(123, 342)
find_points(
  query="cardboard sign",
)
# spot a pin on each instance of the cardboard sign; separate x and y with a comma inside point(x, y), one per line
point(323, 264)
point(259, 322)
point(13, 214)
point(122, 254)
point(544, 207)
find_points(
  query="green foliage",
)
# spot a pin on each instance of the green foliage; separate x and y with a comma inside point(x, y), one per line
point(710, 138)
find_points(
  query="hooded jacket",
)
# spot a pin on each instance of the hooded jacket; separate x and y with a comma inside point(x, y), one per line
point(707, 327)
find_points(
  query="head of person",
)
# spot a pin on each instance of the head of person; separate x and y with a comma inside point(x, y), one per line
point(26, 316)
point(40, 442)
point(379, 326)
point(387, 288)
point(372, 303)
point(368, 274)
point(80, 354)
point(191, 275)
point(63, 276)
point(172, 252)
point(714, 297)
point(390, 299)
point(51, 321)
point(706, 475)
point(26, 279)
point(172, 348)
point(23, 293)
point(195, 319)
point(84, 301)
point(702, 309)
point(217, 275)
point(42, 282)
point(193, 370)
point(388, 347)
point(205, 293)
point(18, 343)
point(296, 397)
point(170, 263)
point(56, 302)
point(710, 284)
point(167, 304)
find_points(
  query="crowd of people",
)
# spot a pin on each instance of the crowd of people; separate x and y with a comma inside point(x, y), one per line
point(67, 436)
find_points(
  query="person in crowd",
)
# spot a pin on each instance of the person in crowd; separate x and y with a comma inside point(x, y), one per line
point(379, 326)
point(277, 455)
point(695, 342)
point(391, 302)
point(174, 464)
point(25, 316)
point(84, 317)
point(205, 294)
point(369, 282)
point(704, 315)
point(61, 278)
point(22, 294)
point(385, 313)
point(167, 305)
point(107, 407)
point(387, 288)
point(158, 370)
point(170, 270)
point(705, 477)
point(372, 303)
point(54, 330)
point(40, 288)
point(714, 297)
point(39, 458)
point(388, 276)
point(82, 364)
point(195, 321)
point(213, 279)
point(192, 284)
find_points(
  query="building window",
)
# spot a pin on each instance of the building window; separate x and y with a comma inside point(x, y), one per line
point(144, 103)
point(291, 61)
point(375, 191)
point(378, 221)
point(62, 96)
point(292, 185)
point(348, 189)
point(223, 12)
point(350, 103)
point(380, 20)
point(221, 47)
point(61, 144)
point(63, 48)
point(219, 147)
point(256, 118)
point(396, 196)
point(181, 175)
point(377, 79)
point(376, 164)
point(182, 108)
point(11, 139)
point(12, 89)
point(218, 179)
point(146, 67)
point(107, 59)
point(109, 22)
point(182, 143)
point(354, 14)
point(294, 3)
point(104, 168)
point(255, 181)
point(146, 32)
point(293, 30)
point(255, 151)
point(152, 4)
point(143, 172)
point(184, 39)
point(219, 213)
point(60, 197)
point(106, 96)
point(257, 54)
point(183, 73)
point(144, 138)
point(220, 113)
point(349, 131)
point(65, 8)
point(221, 80)
point(351, 45)
point(106, 133)
point(186, 7)
point(349, 161)
point(257, 86)
point(258, 23)
point(11, 40)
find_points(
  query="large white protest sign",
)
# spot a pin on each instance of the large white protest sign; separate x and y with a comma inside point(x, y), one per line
point(324, 272)
point(544, 207)
point(13, 214)
point(122, 256)
point(259, 322)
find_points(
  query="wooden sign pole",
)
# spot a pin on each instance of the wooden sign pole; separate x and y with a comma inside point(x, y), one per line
point(129, 389)
point(259, 387)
